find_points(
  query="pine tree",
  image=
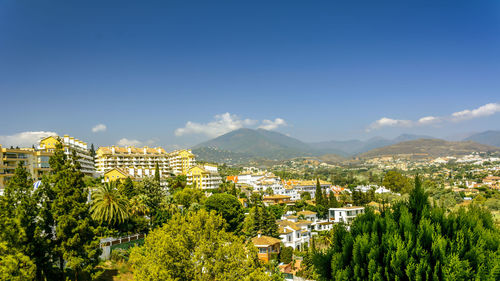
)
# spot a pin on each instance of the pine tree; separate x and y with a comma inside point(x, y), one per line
point(319, 194)
point(74, 242)
point(19, 210)
point(418, 201)
point(92, 151)
point(157, 173)
point(126, 188)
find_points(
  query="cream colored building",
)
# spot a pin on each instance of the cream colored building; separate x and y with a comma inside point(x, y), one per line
point(204, 177)
point(70, 145)
point(141, 161)
point(36, 162)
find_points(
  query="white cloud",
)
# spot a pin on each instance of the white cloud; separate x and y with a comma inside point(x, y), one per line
point(133, 142)
point(25, 139)
point(222, 124)
point(388, 122)
point(485, 110)
point(271, 125)
point(482, 111)
point(127, 142)
point(99, 128)
point(427, 120)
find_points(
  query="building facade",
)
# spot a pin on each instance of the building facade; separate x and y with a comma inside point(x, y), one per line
point(141, 161)
point(204, 177)
point(70, 145)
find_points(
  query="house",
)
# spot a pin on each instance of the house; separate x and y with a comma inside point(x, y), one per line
point(267, 247)
point(115, 174)
point(294, 234)
point(308, 215)
point(344, 214)
point(275, 199)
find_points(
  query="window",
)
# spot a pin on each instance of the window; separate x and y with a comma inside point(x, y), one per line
point(262, 250)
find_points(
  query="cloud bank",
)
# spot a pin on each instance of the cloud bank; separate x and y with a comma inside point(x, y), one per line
point(226, 122)
point(99, 128)
point(134, 142)
point(482, 111)
point(25, 139)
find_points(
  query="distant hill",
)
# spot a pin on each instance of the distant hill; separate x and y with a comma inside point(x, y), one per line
point(352, 147)
point(488, 138)
point(249, 143)
point(429, 147)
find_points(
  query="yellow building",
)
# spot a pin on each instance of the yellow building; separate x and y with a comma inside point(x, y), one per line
point(204, 177)
point(115, 174)
point(70, 146)
point(141, 162)
point(36, 162)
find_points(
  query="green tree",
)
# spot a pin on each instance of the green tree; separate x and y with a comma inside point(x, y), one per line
point(396, 182)
point(126, 188)
point(14, 265)
point(19, 218)
point(229, 207)
point(286, 255)
point(318, 197)
point(157, 173)
point(65, 207)
point(198, 249)
point(189, 196)
point(177, 182)
point(108, 205)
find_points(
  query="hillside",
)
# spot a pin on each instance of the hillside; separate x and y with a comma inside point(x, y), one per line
point(487, 138)
point(352, 147)
point(248, 144)
point(429, 147)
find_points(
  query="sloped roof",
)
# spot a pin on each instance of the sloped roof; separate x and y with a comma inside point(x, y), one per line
point(265, 241)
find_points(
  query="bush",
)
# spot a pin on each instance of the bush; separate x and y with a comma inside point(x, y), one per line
point(119, 255)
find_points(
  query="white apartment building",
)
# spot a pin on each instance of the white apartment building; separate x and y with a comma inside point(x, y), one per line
point(344, 214)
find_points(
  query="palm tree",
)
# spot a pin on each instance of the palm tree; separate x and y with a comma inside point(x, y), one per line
point(138, 205)
point(108, 205)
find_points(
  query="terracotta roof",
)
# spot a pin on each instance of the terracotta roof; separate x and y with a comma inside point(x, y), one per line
point(302, 222)
point(306, 213)
point(277, 196)
point(290, 224)
point(282, 230)
point(265, 241)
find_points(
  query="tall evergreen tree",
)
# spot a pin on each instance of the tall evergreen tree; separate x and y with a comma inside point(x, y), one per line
point(19, 210)
point(74, 242)
point(157, 173)
point(126, 188)
point(92, 151)
point(319, 194)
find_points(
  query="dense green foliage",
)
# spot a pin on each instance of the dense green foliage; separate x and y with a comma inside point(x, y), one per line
point(229, 207)
point(414, 241)
point(108, 205)
point(195, 246)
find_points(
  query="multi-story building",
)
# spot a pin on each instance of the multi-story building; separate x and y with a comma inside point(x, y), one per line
point(294, 234)
point(70, 145)
point(300, 186)
point(36, 162)
point(204, 177)
point(181, 161)
point(141, 162)
point(344, 214)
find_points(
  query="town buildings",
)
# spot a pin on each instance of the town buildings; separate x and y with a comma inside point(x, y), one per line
point(70, 145)
point(36, 159)
point(267, 247)
point(204, 177)
point(345, 214)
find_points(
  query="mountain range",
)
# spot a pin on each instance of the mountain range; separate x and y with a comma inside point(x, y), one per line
point(242, 145)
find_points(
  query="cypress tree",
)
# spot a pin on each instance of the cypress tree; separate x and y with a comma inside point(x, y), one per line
point(74, 241)
point(319, 194)
point(157, 173)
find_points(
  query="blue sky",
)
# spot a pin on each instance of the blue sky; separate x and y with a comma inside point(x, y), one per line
point(175, 73)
